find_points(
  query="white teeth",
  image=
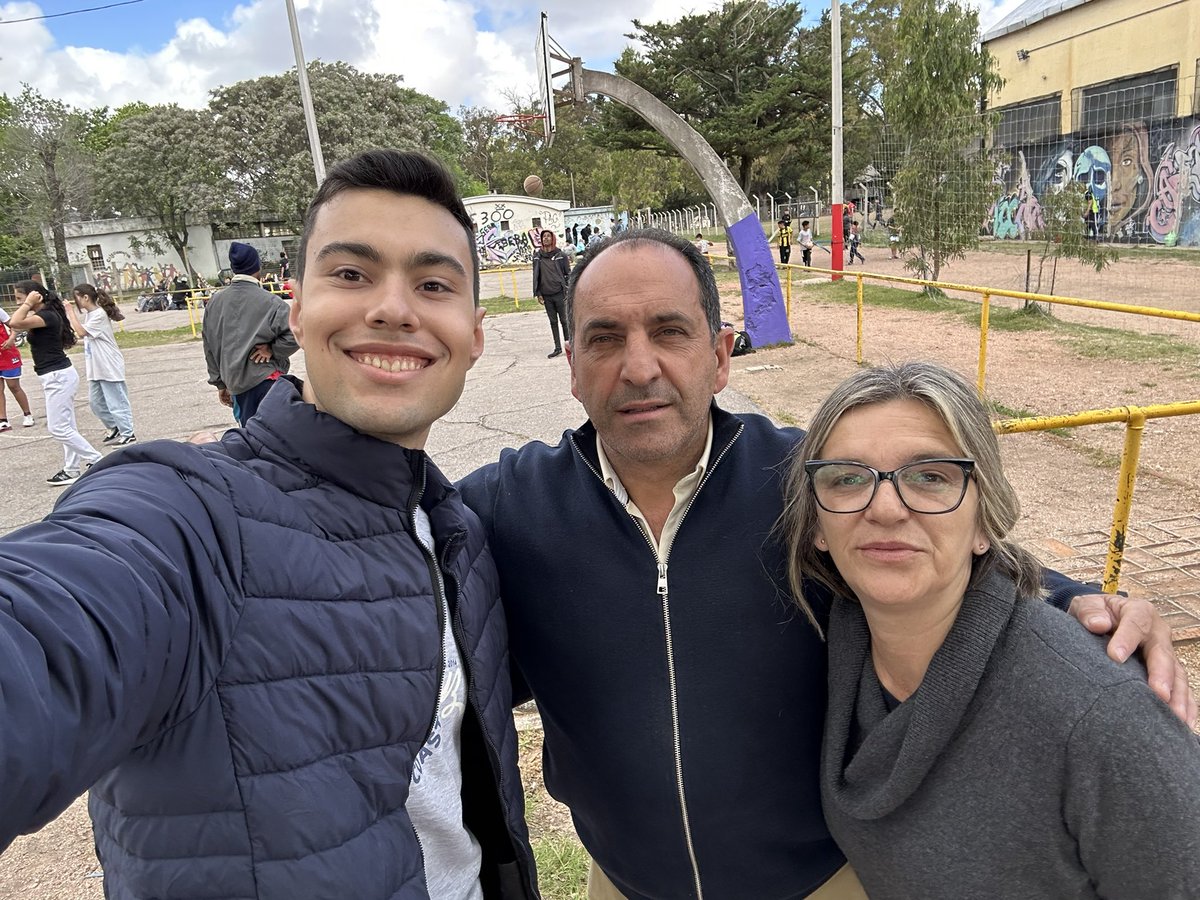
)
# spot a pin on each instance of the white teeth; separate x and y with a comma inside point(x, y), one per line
point(395, 364)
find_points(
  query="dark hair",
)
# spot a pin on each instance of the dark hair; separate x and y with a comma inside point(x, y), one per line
point(804, 224)
point(55, 304)
point(710, 298)
point(102, 299)
point(401, 172)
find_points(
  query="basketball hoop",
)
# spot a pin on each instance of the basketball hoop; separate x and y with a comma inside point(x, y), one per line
point(526, 122)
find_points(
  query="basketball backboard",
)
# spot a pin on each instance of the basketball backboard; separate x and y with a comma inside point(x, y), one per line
point(545, 79)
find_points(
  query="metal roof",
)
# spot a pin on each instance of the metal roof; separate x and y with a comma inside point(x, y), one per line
point(1027, 13)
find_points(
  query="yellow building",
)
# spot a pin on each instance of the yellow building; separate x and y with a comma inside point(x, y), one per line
point(1106, 93)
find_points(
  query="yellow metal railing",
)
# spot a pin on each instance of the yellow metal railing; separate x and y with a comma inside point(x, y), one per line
point(483, 273)
point(1134, 418)
point(985, 294)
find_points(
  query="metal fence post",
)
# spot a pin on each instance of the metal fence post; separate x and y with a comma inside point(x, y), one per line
point(1125, 481)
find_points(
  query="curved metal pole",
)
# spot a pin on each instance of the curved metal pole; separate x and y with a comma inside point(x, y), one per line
point(762, 298)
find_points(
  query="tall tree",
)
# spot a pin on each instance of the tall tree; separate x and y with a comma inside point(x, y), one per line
point(46, 166)
point(160, 164)
point(932, 99)
point(748, 76)
point(261, 139)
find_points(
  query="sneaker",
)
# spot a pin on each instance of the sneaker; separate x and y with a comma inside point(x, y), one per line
point(62, 478)
point(111, 435)
point(557, 351)
point(27, 421)
point(4, 426)
point(124, 439)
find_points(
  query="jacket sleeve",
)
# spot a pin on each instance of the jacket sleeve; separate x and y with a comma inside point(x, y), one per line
point(479, 491)
point(1133, 789)
point(210, 359)
point(113, 614)
point(1061, 590)
point(283, 342)
point(537, 274)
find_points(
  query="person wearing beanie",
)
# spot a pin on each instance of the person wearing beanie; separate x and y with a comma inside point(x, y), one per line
point(247, 341)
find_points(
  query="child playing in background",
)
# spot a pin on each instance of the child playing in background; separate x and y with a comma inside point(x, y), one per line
point(10, 371)
point(103, 362)
point(855, 241)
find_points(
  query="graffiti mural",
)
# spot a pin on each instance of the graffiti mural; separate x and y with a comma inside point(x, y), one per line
point(506, 237)
point(1145, 177)
point(503, 248)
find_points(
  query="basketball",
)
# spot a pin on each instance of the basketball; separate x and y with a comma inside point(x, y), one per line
point(533, 185)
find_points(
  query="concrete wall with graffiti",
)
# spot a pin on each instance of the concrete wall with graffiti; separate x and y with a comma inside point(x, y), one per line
point(1145, 178)
point(508, 226)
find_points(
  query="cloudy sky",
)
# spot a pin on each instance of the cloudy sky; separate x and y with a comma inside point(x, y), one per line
point(162, 51)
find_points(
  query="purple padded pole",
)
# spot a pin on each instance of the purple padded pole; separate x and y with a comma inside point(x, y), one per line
point(762, 298)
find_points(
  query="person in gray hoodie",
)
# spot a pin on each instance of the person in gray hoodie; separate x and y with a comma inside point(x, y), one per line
point(247, 340)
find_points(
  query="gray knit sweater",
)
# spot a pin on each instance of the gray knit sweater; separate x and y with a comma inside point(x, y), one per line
point(1026, 765)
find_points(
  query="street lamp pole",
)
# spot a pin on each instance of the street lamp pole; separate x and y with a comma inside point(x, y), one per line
point(836, 196)
point(310, 119)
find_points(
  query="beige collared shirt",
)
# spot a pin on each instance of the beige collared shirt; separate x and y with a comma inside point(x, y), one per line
point(685, 490)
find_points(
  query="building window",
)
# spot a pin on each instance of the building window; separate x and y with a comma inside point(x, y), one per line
point(1029, 122)
point(96, 256)
point(504, 224)
point(1149, 97)
point(537, 222)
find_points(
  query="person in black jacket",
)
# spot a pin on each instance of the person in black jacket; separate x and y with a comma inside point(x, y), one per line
point(278, 662)
point(551, 272)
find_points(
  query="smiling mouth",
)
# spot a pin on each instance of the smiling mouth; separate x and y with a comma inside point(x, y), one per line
point(390, 363)
point(637, 410)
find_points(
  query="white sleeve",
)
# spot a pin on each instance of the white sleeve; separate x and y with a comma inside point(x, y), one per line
point(4, 317)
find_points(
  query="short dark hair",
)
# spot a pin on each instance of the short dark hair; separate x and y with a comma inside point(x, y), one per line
point(401, 172)
point(710, 297)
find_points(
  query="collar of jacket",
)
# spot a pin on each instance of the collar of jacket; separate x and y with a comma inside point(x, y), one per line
point(332, 451)
point(725, 429)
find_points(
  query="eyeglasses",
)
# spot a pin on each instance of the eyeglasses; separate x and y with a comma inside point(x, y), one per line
point(930, 486)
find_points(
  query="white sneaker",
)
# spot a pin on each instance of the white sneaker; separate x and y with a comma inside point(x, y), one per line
point(27, 421)
point(4, 426)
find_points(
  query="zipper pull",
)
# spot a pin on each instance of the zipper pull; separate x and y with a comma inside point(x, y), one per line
point(662, 579)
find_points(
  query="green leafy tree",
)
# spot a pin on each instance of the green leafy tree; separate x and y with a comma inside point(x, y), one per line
point(944, 187)
point(261, 141)
point(159, 164)
point(47, 169)
point(1062, 236)
point(748, 77)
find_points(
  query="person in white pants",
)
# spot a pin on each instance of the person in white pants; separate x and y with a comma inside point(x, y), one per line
point(50, 334)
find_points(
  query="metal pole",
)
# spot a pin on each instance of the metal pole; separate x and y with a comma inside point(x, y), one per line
point(310, 119)
point(836, 187)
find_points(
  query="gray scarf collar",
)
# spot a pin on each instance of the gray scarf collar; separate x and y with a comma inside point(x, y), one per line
point(897, 749)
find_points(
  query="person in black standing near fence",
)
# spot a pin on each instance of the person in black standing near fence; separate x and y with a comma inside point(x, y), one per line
point(551, 269)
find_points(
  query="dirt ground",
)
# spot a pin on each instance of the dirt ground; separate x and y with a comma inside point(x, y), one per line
point(1067, 483)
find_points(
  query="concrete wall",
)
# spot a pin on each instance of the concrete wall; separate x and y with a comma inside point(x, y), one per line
point(126, 268)
point(1096, 42)
point(507, 226)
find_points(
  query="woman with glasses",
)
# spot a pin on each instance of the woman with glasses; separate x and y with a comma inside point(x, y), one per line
point(977, 743)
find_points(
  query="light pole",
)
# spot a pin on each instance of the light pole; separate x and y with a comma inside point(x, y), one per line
point(836, 197)
point(310, 119)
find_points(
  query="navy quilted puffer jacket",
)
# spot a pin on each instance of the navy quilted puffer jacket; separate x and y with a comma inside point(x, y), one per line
point(239, 645)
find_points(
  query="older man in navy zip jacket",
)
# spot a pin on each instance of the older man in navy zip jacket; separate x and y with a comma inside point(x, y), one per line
point(279, 661)
point(681, 694)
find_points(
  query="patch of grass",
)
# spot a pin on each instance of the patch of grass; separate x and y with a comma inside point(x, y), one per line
point(1094, 342)
point(1101, 458)
point(129, 339)
point(786, 418)
point(499, 306)
point(562, 866)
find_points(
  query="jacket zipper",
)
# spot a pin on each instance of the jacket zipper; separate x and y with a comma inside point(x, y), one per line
point(662, 590)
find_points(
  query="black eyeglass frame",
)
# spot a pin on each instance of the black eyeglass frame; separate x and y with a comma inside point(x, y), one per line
point(813, 465)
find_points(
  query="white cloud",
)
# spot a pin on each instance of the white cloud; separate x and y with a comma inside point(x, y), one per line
point(434, 44)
